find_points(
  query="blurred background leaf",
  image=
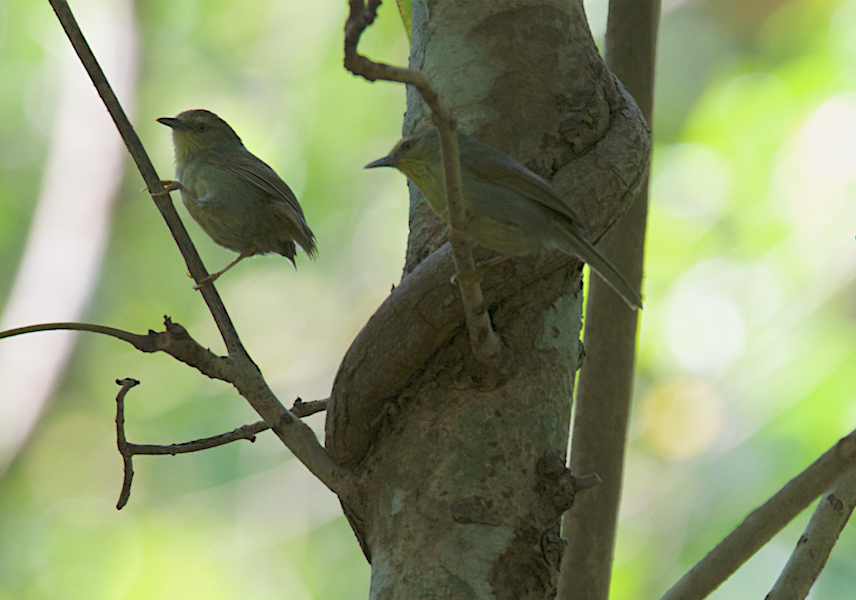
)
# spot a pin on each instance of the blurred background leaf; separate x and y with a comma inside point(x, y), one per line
point(746, 343)
point(406, 12)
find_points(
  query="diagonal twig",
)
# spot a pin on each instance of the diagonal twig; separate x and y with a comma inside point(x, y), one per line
point(144, 165)
point(485, 343)
point(242, 372)
point(816, 543)
point(765, 522)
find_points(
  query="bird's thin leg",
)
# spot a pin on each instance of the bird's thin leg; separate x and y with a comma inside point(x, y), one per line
point(493, 261)
point(213, 276)
point(170, 185)
point(486, 263)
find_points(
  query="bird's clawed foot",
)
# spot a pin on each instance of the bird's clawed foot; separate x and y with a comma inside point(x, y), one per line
point(170, 185)
point(211, 278)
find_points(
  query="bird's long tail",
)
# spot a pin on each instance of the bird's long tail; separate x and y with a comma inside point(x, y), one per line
point(576, 245)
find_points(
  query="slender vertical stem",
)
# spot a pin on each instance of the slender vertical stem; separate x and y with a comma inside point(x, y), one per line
point(605, 388)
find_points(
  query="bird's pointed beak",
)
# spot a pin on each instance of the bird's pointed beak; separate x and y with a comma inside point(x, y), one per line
point(386, 161)
point(171, 122)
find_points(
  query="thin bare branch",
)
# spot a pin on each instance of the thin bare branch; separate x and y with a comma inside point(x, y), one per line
point(238, 368)
point(304, 409)
point(485, 343)
point(153, 181)
point(816, 543)
point(174, 340)
point(245, 376)
point(129, 450)
point(765, 522)
point(244, 432)
point(140, 342)
point(122, 442)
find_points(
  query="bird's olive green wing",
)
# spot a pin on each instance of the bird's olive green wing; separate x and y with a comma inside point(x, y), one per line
point(252, 169)
point(501, 169)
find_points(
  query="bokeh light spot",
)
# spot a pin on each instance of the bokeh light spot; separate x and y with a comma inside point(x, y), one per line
point(682, 418)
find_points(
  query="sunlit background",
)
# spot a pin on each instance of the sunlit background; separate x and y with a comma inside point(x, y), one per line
point(746, 367)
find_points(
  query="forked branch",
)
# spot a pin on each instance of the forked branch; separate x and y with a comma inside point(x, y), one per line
point(129, 450)
point(816, 543)
point(765, 522)
point(237, 368)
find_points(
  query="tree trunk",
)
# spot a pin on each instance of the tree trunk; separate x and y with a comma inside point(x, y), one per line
point(461, 466)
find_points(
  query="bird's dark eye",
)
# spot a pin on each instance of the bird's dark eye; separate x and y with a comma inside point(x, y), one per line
point(405, 146)
point(200, 127)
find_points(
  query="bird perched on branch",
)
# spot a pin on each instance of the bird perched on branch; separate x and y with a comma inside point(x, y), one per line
point(235, 197)
point(510, 209)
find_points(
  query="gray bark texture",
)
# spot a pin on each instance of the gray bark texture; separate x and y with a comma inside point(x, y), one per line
point(460, 467)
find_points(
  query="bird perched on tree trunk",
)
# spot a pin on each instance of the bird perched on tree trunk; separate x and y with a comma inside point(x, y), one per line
point(510, 209)
point(235, 197)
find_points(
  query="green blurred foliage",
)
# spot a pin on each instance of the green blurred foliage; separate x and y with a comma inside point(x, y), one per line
point(746, 343)
point(746, 360)
point(406, 11)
